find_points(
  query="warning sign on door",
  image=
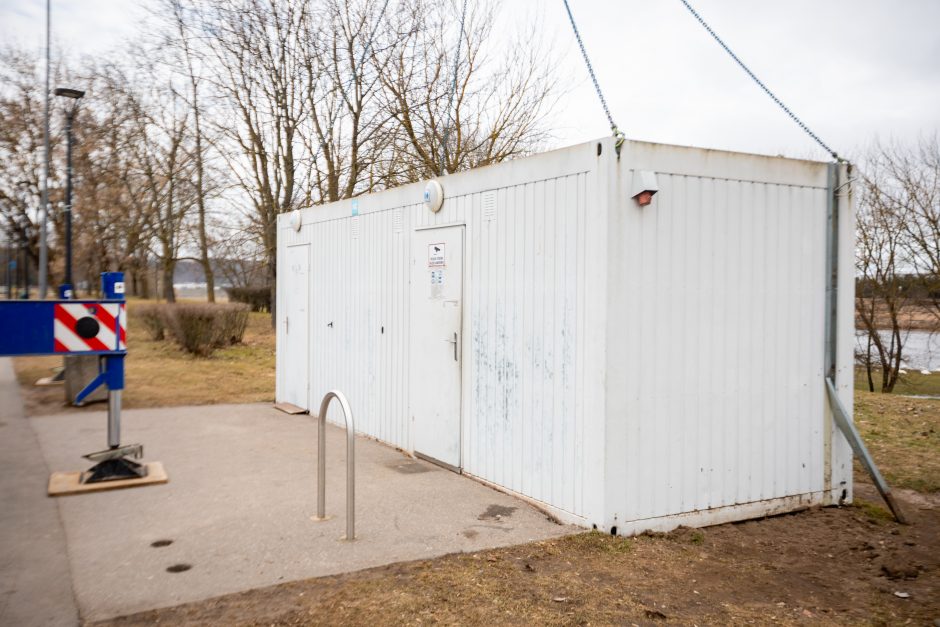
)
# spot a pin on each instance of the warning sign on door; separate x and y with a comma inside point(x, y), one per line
point(435, 255)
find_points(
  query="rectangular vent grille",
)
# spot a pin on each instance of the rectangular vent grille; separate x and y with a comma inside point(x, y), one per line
point(355, 227)
point(489, 205)
point(396, 221)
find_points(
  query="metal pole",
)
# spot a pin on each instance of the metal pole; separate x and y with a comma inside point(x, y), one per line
point(114, 418)
point(44, 205)
point(19, 270)
point(321, 458)
point(350, 462)
point(68, 198)
point(841, 417)
point(26, 267)
point(10, 265)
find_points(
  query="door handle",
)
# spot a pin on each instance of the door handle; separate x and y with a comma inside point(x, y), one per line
point(454, 342)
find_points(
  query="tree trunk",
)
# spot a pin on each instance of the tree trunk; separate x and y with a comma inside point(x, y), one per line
point(201, 202)
point(169, 266)
point(272, 282)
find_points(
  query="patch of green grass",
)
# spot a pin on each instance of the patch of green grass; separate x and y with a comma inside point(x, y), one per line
point(913, 383)
point(873, 511)
point(903, 436)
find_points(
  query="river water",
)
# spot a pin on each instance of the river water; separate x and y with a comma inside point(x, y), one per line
point(921, 349)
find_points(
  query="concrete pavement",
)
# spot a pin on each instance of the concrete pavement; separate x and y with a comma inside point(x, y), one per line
point(237, 509)
point(35, 581)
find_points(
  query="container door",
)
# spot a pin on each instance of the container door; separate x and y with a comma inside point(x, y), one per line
point(436, 312)
point(297, 326)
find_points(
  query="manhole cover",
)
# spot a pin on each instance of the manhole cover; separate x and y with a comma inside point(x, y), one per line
point(159, 543)
point(178, 568)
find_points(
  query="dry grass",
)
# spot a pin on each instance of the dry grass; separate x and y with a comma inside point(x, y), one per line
point(903, 435)
point(823, 566)
point(922, 316)
point(160, 374)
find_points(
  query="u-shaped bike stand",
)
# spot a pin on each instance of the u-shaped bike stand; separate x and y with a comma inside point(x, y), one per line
point(350, 462)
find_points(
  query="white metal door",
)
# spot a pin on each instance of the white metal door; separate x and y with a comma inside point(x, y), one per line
point(297, 326)
point(436, 309)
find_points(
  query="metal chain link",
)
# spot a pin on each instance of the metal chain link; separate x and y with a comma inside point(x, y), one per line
point(597, 87)
point(786, 109)
point(453, 91)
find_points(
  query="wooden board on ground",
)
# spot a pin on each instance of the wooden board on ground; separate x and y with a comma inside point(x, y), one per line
point(65, 483)
point(290, 408)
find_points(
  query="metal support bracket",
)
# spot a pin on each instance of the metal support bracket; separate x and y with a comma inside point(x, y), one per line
point(841, 416)
point(845, 424)
point(93, 385)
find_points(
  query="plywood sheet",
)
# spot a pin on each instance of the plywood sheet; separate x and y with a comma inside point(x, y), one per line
point(65, 483)
point(290, 408)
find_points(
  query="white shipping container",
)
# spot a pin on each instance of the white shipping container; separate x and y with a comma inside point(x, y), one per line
point(625, 366)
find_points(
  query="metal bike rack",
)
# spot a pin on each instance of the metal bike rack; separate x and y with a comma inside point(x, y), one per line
point(350, 462)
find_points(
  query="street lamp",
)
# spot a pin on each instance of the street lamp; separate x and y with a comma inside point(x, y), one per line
point(65, 290)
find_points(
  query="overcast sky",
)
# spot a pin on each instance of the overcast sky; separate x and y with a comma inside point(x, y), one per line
point(852, 69)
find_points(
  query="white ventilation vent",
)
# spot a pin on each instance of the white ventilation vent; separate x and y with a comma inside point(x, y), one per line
point(355, 227)
point(396, 221)
point(489, 205)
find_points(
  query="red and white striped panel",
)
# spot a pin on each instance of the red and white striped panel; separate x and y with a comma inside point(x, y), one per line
point(83, 327)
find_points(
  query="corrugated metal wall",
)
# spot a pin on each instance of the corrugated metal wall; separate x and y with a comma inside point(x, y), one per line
point(524, 314)
point(525, 307)
point(716, 334)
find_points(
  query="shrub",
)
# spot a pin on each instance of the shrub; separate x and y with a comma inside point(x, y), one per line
point(200, 328)
point(233, 320)
point(153, 318)
point(258, 298)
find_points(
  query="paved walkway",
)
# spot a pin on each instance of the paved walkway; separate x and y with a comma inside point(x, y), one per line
point(237, 508)
point(35, 582)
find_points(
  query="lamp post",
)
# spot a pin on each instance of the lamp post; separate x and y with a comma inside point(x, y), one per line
point(66, 289)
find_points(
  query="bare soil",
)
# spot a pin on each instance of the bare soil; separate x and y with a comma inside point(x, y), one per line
point(847, 565)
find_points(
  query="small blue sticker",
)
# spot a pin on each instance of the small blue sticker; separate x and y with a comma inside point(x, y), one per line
point(355, 207)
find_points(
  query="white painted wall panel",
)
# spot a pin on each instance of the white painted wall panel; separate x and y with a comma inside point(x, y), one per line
point(526, 310)
point(522, 430)
point(715, 390)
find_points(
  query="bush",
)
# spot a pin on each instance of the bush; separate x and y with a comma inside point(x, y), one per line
point(200, 328)
point(153, 318)
point(258, 298)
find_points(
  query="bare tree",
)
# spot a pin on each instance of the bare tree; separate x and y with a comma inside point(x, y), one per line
point(498, 105)
point(188, 62)
point(21, 144)
point(898, 255)
point(346, 134)
point(880, 262)
point(161, 175)
point(256, 47)
point(914, 173)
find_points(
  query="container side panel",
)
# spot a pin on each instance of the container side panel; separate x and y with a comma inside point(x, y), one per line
point(715, 337)
point(523, 432)
point(359, 320)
